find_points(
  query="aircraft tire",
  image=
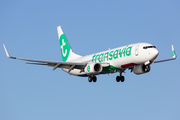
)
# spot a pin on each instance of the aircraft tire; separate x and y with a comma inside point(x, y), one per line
point(90, 79)
point(118, 78)
point(94, 78)
point(122, 78)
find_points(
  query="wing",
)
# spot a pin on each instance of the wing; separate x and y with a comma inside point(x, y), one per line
point(55, 64)
point(173, 57)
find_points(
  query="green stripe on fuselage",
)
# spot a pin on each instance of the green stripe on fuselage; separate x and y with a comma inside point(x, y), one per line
point(110, 68)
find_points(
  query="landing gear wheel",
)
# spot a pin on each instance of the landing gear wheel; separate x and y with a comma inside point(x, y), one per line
point(122, 78)
point(90, 79)
point(118, 78)
point(94, 78)
point(146, 68)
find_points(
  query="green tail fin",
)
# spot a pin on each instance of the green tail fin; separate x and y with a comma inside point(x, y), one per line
point(66, 51)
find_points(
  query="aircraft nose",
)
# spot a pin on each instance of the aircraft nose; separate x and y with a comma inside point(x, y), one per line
point(155, 53)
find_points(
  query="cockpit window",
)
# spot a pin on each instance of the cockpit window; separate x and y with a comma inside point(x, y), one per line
point(146, 47)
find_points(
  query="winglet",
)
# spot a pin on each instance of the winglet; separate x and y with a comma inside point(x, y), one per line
point(7, 52)
point(173, 57)
point(173, 52)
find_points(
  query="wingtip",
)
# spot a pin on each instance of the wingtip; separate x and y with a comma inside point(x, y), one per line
point(7, 54)
point(173, 52)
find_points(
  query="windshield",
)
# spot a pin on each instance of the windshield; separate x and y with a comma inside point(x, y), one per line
point(146, 47)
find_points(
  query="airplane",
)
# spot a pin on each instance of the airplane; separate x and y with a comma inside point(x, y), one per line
point(136, 57)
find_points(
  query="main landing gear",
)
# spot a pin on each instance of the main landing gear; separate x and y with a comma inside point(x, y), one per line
point(92, 78)
point(120, 78)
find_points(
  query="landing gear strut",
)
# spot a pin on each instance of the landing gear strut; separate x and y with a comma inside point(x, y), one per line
point(92, 78)
point(120, 78)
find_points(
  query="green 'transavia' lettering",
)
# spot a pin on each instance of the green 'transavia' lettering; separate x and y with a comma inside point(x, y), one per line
point(112, 54)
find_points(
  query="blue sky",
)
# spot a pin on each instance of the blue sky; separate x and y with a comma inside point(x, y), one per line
point(28, 29)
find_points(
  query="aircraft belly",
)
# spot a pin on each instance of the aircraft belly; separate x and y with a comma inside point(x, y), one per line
point(123, 62)
point(75, 72)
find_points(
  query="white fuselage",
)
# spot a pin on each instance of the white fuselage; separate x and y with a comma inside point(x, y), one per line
point(121, 57)
point(135, 57)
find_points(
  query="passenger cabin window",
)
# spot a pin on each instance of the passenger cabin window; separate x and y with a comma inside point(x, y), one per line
point(146, 47)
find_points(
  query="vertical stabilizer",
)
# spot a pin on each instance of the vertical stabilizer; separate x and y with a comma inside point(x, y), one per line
point(66, 50)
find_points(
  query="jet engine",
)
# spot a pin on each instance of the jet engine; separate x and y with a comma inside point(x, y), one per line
point(93, 68)
point(140, 69)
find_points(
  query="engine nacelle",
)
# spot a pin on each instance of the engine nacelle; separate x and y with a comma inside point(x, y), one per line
point(140, 69)
point(93, 68)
